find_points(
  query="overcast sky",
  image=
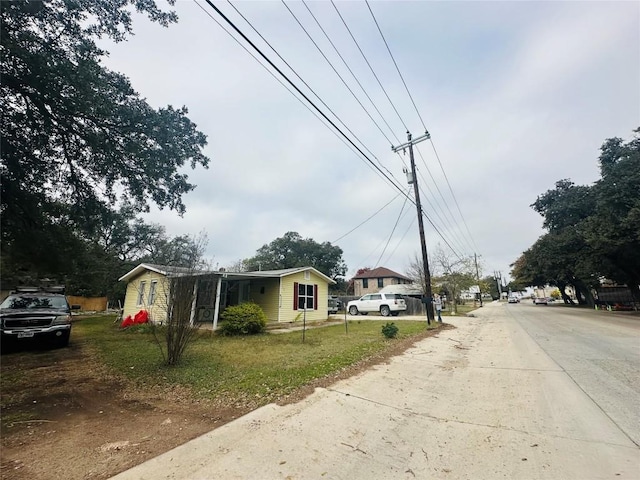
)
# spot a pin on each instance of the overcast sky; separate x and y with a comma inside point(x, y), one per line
point(515, 95)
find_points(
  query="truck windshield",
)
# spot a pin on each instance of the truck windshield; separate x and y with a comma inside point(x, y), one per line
point(19, 302)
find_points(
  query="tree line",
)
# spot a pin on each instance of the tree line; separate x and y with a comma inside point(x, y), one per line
point(592, 231)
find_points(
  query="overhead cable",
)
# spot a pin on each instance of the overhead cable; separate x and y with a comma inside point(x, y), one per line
point(305, 105)
point(368, 218)
point(370, 67)
point(297, 89)
point(391, 234)
point(344, 83)
point(351, 72)
point(421, 119)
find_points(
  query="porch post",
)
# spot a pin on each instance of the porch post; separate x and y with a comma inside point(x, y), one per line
point(216, 309)
point(193, 303)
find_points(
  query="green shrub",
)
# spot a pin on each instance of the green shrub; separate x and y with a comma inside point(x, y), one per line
point(244, 319)
point(390, 330)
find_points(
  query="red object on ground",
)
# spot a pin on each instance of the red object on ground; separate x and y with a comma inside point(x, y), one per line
point(141, 317)
point(127, 322)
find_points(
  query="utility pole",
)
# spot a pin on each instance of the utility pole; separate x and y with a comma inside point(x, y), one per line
point(423, 243)
point(475, 257)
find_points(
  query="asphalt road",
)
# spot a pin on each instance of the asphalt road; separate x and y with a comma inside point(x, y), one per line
point(517, 392)
point(599, 351)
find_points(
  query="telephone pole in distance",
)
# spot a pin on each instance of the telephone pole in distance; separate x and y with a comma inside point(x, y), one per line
point(423, 244)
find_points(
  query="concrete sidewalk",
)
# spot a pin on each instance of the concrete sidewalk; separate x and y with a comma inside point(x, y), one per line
point(481, 401)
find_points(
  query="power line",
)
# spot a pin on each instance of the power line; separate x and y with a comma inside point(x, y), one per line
point(391, 234)
point(343, 81)
point(422, 121)
point(400, 241)
point(453, 195)
point(394, 62)
point(438, 190)
point(310, 102)
point(284, 85)
point(368, 218)
point(297, 75)
point(351, 72)
point(300, 92)
point(370, 67)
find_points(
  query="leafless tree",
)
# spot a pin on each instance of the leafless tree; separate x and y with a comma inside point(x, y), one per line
point(176, 297)
point(455, 274)
point(415, 271)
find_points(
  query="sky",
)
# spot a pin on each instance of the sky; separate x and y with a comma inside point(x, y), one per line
point(515, 95)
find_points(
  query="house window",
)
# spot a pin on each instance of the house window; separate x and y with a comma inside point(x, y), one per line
point(152, 292)
point(141, 289)
point(305, 296)
point(380, 282)
point(365, 283)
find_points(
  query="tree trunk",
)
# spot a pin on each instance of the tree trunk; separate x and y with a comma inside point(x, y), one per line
point(585, 293)
point(566, 298)
point(634, 288)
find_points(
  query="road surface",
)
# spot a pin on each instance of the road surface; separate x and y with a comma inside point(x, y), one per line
point(508, 394)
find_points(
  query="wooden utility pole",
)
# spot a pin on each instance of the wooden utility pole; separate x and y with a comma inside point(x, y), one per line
point(475, 257)
point(423, 243)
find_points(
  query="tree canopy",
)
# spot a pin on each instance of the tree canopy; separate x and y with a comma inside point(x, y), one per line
point(593, 230)
point(78, 144)
point(291, 250)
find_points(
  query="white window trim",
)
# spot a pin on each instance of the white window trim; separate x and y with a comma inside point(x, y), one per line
point(141, 289)
point(306, 296)
point(152, 292)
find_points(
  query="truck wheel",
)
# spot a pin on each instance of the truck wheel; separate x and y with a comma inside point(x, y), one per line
point(353, 310)
point(385, 311)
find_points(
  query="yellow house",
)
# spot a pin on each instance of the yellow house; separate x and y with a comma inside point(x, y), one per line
point(284, 295)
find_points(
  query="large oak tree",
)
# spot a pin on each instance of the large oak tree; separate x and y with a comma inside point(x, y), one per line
point(593, 230)
point(77, 142)
point(291, 250)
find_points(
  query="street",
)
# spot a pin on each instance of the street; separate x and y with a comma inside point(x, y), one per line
point(518, 392)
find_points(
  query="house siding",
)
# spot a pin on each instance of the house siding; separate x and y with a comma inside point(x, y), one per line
point(287, 312)
point(268, 299)
point(359, 290)
point(158, 310)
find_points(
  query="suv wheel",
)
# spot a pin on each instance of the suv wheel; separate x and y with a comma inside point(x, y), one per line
point(353, 310)
point(385, 311)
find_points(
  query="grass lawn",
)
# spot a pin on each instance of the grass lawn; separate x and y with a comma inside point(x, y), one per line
point(261, 367)
point(461, 309)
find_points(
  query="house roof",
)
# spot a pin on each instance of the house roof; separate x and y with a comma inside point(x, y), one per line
point(381, 272)
point(170, 271)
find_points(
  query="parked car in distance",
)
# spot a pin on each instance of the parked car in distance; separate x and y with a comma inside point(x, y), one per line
point(334, 304)
point(540, 301)
point(384, 303)
point(31, 313)
point(514, 299)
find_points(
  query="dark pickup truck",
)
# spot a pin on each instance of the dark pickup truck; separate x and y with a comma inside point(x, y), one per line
point(35, 314)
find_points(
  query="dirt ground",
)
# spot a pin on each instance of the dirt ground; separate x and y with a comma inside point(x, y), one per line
point(71, 418)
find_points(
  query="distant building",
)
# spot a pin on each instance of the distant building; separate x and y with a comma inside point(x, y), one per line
point(372, 281)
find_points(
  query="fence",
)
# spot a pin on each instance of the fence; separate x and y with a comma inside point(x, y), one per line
point(94, 304)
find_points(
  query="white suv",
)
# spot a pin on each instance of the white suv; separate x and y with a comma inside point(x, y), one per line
point(385, 303)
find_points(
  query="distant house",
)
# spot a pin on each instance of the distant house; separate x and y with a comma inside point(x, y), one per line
point(372, 281)
point(284, 295)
